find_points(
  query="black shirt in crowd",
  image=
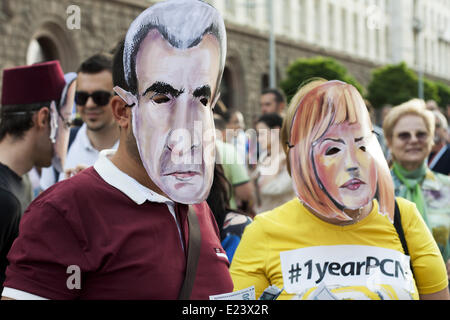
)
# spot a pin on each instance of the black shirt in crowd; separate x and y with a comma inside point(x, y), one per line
point(442, 163)
point(15, 196)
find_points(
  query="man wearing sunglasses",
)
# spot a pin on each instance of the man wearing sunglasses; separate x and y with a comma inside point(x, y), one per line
point(99, 130)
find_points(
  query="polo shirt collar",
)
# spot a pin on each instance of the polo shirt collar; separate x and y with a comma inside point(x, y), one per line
point(126, 184)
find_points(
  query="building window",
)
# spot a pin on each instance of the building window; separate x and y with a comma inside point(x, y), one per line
point(230, 7)
point(331, 25)
point(251, 14)
point(355, 32)
point(377, 44)
point(302, 5)
point(265, 81)
point(344, 29)
point(286, 15)
point(317, 21)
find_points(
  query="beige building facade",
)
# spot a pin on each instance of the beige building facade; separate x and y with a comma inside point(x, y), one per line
point(361, 34)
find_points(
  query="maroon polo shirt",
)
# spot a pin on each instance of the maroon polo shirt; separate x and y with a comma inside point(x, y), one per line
point(124, 250)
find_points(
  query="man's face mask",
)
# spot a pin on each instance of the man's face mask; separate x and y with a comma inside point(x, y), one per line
point(172, 117)
point(60, 123)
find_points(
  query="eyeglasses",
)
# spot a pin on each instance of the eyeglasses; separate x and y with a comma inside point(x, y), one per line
point(406, 136)
point(100, 97)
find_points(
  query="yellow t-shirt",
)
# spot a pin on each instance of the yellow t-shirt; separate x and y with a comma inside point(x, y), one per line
point(311, 259)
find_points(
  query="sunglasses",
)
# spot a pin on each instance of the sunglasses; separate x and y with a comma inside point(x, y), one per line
point(406, 136)
point(100, 97)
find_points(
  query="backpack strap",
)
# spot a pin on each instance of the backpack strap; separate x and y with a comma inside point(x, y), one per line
point(401, 234)
point(399, 228)
point(195, 241)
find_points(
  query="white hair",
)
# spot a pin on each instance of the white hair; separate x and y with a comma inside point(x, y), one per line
point(441, 118)
point(182, 23)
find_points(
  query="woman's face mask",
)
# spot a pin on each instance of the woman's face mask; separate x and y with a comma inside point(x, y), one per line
point(335, 163)
point(344, 165)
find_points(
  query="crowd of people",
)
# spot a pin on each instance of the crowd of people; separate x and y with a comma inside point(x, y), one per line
point(114, 169)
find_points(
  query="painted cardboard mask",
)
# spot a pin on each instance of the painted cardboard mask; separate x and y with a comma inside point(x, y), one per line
point(60, 122)
point(336, 161)
point(173, 70)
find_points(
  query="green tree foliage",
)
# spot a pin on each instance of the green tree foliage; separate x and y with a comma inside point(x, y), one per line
point(395, 84)
point(303, 69)
point(443, 93)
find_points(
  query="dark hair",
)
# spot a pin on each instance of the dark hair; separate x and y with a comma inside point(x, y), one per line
point(117, 68)
point(279, 96)
point(219, 196)
point(18, 119)
point(219, 122)
point(229, 114)
point(272, 120)
point(97, 63)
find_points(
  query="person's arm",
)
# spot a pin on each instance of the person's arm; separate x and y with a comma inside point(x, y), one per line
point(36, 265)
point(448, 268)
point(68, 173)
point(430, 273)
point(9, 220)
point(440, 295)
point(10, 212)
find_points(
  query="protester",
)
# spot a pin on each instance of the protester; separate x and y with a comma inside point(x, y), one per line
point(32, 117)
point(439, 158)
point(272, 100)
point(231, 222)
point(336, 241)
point(99, 130)
point(432, 105)
point(125, 223)
point(409, 130)
point(383, 113)
point(234, 169)
point(235, 133)
point(271, 178)
point(378, 130)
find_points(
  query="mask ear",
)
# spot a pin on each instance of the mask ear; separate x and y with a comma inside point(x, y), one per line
point(126, 96)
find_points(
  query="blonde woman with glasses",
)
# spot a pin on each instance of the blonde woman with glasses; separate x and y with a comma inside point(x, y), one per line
point(409, 130)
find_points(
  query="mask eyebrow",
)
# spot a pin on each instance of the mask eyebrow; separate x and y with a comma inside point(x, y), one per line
point(334, 140)
point(163, 88)
point(359, 139)
point(204, 91)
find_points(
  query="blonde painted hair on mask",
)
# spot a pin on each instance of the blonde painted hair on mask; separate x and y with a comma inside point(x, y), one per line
point(317, 105)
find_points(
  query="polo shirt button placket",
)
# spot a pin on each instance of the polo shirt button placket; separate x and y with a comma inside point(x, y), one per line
point(182, 222)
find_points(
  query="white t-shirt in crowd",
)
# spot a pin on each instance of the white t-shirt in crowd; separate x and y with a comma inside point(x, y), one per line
point(81, 152)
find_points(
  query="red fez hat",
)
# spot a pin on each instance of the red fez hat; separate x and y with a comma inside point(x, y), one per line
point(39, 82)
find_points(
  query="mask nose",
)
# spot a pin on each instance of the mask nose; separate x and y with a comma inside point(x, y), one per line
point(351, 163)
point(185, 136)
